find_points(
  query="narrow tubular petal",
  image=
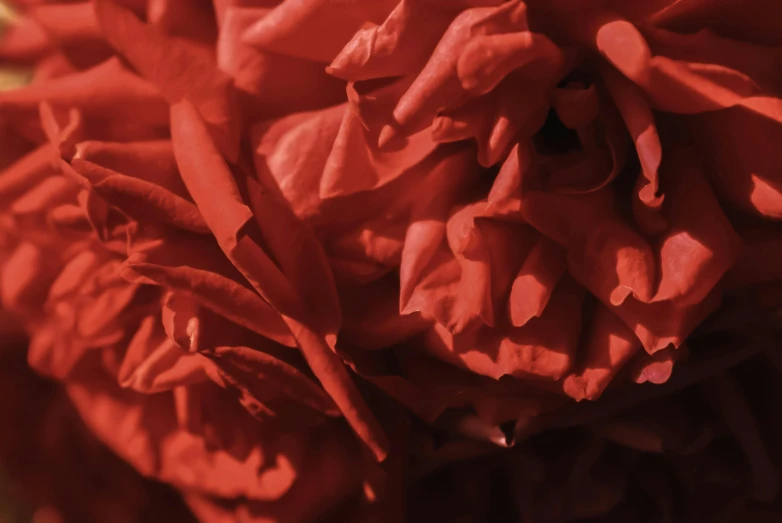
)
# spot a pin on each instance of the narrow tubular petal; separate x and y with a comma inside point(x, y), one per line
point(228, 217)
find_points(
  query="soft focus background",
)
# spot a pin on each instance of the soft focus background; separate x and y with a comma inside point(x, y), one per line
point(12, 508)
point(47, 458)
point(51, 468)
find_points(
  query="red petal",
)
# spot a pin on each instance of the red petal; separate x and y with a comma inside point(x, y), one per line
point(610, 345)
point(311, 29)
point(179, 70)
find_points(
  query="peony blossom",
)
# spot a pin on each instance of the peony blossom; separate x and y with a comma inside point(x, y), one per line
point(302, 260)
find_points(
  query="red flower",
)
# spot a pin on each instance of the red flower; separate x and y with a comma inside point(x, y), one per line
point(242, 235)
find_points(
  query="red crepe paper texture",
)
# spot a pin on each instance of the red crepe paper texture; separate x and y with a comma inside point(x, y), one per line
point(379, 260)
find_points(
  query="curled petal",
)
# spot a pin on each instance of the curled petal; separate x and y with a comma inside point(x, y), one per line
point(438, 87)
point(140, 199)
point(535, 282)
point(228, 218)
point(639, 119)
point(700, 245)
point(151, 161)
point(191, 266)
point(263, 374)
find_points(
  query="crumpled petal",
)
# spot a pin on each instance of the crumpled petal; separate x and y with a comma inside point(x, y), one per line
point(461, 67)
point(516, 109)
point(400, 45)
point(489, 253)
point(356, 163)
point(604, 253)
point(444, 183)
point(544, 347)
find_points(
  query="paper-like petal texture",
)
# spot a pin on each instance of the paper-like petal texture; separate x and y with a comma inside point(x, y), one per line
point(327, 260)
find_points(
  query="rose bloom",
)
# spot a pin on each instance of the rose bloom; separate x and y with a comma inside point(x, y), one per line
point(297, 258)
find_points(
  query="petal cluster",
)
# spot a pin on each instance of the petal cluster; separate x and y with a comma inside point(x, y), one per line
point(265, 243)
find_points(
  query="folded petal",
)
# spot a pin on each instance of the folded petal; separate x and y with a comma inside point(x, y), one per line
point(356, 163)
point(195, 267)
point(545, 347)
point(604, 253)
point(700, 245)
point(401, 45)
point(277, 385)
point(140, 199)
point(532, 287)
point(639, 119)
